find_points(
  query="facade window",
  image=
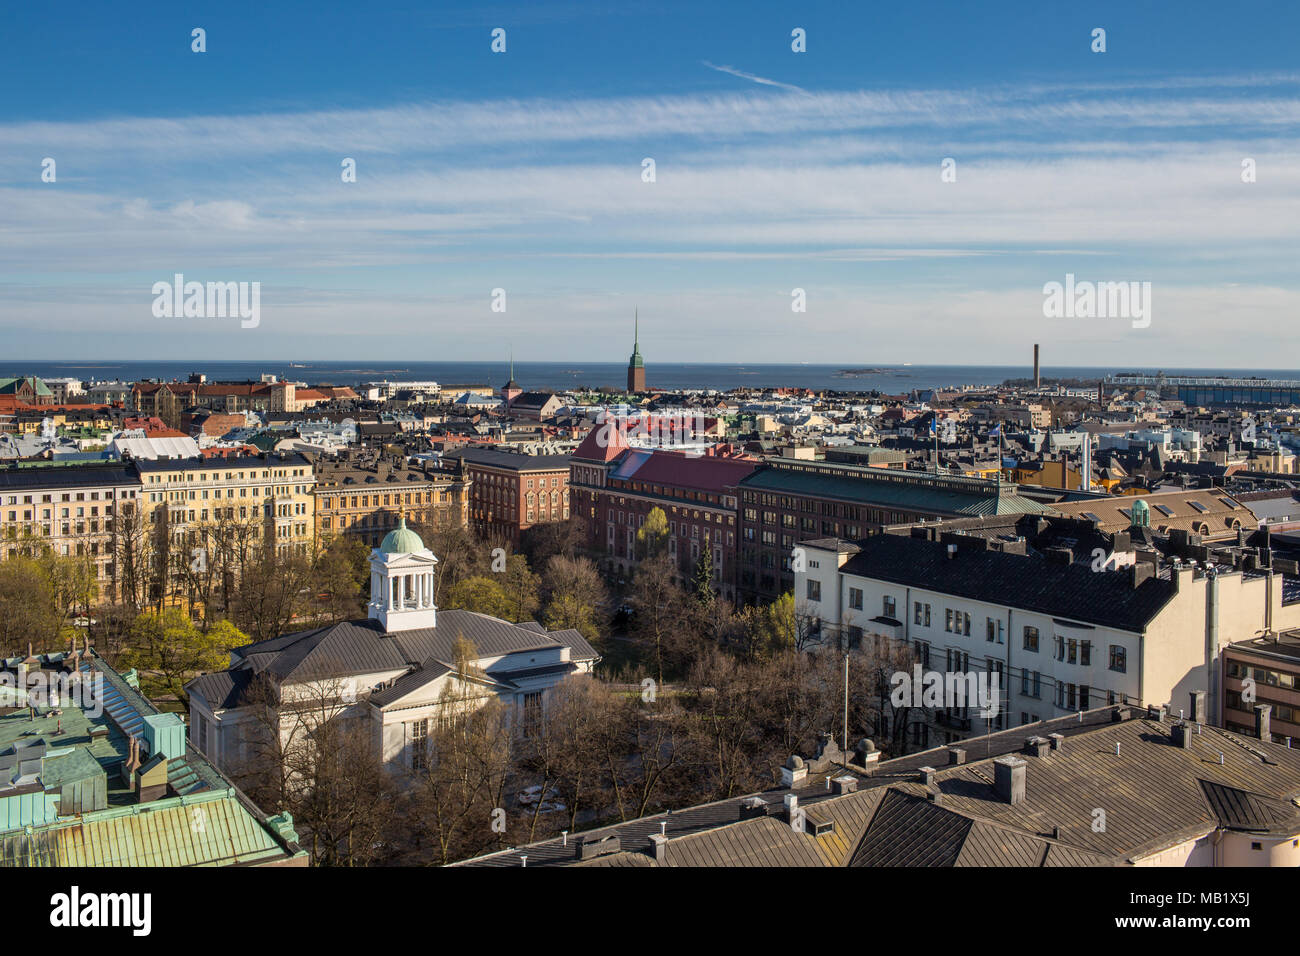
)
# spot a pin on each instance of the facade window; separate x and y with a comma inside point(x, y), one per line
point(1085, 653)
point(420, 744)
point(814, 590)
point(855, 598)
point(1118, 659)
point(888, 608)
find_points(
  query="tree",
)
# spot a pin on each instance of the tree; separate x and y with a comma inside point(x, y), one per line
point(575, 593)
point(29, 609)
point(340, 576)
point(567, 612)
point(482, 594)
point(769, 628)
point(168, 649)
point(652, 536)
point(520, 586)
point(272, 592)
point(658, 605)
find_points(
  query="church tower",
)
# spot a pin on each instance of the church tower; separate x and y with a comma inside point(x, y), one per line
point(635, 365)
point(401, 581)
point(511, 390)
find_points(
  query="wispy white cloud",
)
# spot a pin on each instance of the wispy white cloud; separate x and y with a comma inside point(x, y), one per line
point(837, 192)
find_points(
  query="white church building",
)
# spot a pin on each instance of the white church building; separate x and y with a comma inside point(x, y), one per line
point(393, 673)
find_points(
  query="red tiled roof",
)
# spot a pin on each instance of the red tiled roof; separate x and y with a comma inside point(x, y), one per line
point(681, 470)
point(605, 442)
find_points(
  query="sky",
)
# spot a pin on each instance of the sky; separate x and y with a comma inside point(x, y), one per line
point(774, 171)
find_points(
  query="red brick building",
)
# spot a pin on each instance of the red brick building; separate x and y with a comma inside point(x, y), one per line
point(510, 492)
point(615, 487)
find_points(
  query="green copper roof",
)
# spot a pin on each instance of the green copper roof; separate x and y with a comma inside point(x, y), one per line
point(401, 540)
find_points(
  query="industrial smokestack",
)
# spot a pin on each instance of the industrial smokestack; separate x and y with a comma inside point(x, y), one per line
point(1037, 380)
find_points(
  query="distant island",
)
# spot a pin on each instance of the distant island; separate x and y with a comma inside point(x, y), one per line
point(856, 372)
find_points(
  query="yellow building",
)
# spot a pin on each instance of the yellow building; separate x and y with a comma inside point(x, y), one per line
point(209, 515)
point(365, 496)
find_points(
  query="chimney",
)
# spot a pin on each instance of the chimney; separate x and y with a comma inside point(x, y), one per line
point(952, 551)
point(956, 756)
point(1058, 740)
point(659, 848)
point(794, 774)
point(1198, 707)
point(1009, 779)
point(1037, 746)
point(1262, 731)
point(1181, 736)
point(791, 806)
point(925, 776)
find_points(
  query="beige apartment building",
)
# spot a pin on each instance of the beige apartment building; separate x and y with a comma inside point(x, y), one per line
point(72, 509)
point(365, 495)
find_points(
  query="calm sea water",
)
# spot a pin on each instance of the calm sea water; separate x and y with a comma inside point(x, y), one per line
point(561, 375)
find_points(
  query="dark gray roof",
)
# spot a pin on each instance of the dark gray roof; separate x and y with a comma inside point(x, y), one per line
point(408, 682)
point(1027, 582)
point(68, 476)
point(363, 647)
point(1242, 810)
point(510, 460)
point(221, 689)
point(907, 831)
point(352, 647)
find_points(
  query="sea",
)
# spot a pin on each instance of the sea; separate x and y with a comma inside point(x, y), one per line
point(558, 376)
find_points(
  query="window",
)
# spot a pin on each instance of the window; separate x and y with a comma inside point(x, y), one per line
point(420, 744)
point(1072, 651)
point(855, 598)
point(814, 590)
point(1060, 648)
point(1085, 653)
point(1031, 639)
point(1118, 659)
point(923, 653)
point(532, 709)
point(888, 608)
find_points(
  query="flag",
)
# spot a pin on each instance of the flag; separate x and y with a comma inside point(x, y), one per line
point(995, 431)
point(932, 428)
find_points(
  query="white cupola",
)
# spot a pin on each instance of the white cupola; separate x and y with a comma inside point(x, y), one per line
point(401, 581)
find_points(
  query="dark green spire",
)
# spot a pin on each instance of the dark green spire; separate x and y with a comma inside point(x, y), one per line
point(636, 360)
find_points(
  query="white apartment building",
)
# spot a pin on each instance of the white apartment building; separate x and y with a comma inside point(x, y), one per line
point(1061, 637)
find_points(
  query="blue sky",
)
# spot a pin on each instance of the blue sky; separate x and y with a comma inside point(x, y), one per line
point(775, 170)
